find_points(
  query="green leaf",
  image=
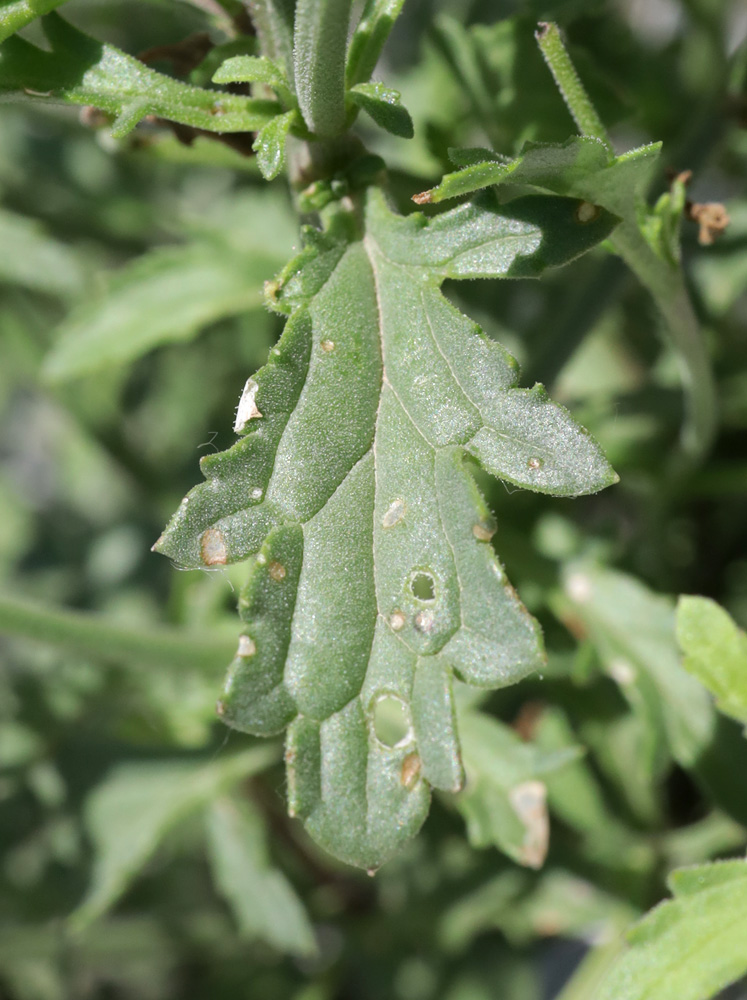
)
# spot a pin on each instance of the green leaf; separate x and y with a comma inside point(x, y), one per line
point(80, 70)
point(372, 579)
point(166, 295)
point(383, 105)
point(270, 144)
point(128, 815)
point(262, 899)
point(319, 44)
point(633, 631)
point(692, 946)
point(15, 14)
point(372, 31)
point(715, 652)
point(504, 802)
point(255, 69)
point(32, 258)
point(582, 167)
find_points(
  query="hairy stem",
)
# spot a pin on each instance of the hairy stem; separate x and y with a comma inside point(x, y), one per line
point(99, 637)
point(568, 83)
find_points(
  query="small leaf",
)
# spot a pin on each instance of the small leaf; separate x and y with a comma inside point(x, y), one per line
point(715, 652)
point(692, 946)
point(372, 31)
point(80, 70)
point(581, 167)
point(262, 899)
point(15, 14)
point(129, 814)
point(319, 44)
point(255, 69)
point(270, 144)
point(383, 105)
point(504, 803)
point(372, 581)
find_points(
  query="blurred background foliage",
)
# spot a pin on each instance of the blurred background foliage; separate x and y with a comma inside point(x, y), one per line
point(144, 849)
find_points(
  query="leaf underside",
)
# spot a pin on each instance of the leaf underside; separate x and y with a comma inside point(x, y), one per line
point(372, 579)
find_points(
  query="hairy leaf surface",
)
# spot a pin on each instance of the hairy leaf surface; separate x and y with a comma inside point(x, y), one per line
point(372, 578)
point(692, 946)
point(80, 70)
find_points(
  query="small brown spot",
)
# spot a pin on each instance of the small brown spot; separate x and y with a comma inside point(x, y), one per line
point(397, 621)
point(712, 218)
point(410, 770)
point(424, 198)
point(528, 719)
point(290, 755)
point(276, 571)
point(217, 109)
point(586, 212)
point(220, 708)
point(535, 463)
point(213, 548)
point(327, 345)
point(483, 532)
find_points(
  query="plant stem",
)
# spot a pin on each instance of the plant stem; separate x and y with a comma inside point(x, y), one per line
point(96, 636)
point(667, 288)
point(663, 280)
point(568, 83)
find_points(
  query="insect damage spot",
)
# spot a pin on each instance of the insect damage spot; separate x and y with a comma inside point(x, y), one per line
point(247, 409)
point(392, 724)
point(213, 550)
point(483, 531)
point(411, 767)
point(586, 212)
point(529, 802)
point(394, 514)
point(247, 646)
point(276, 571)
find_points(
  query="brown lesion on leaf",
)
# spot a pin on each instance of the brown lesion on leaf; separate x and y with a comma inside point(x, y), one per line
point(410, 773)
point(213, 548)
point(424, 198)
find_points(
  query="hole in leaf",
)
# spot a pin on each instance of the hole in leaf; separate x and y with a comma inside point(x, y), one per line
point(423, 587)
point(391, 720)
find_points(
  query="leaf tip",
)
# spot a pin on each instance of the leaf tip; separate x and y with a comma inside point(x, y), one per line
point(424, 198)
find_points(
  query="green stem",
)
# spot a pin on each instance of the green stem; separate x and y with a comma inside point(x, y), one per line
point(568, 83)
point(663, 280)
point(667, 288)
point(96, 636)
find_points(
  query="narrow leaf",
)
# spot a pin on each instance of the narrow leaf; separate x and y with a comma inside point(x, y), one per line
point(372, 580)
point(261, 897)
point(270, 144)
point(129, 814)
point(255, 69)
point(692, 946)
point(383, 105)
point(372, 31)
point(715, 652)
point(320, 41)
point(164, 296)
point(80, 70)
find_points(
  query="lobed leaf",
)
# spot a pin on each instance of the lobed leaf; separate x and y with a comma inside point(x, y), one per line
point(372, 581)
point(715, 652)
point(80, 70)
point(582, 167)
point(692, 946)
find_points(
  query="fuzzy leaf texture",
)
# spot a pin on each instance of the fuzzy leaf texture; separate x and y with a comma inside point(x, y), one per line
point(372, 579)
point(690, 947)
point(80, 70)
